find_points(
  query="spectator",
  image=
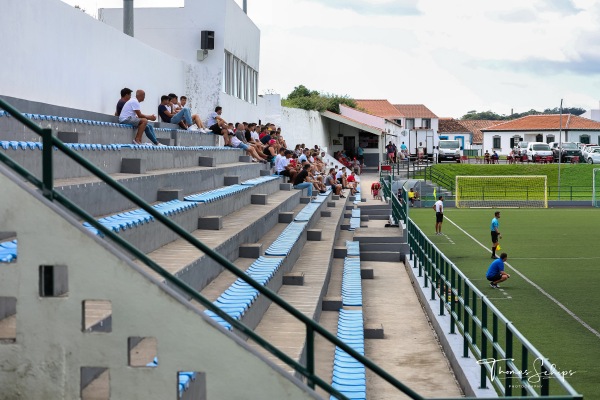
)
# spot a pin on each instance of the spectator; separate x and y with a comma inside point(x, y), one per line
point(331, 180)
point(195, 117)
point(351, 182)
point(131, 115)
point(420, 152)
point(495, 157)
point(391, 152)
point(283, 166)
point(240, 134)
point(182, 118)
point(218, 125)
point(375, 189)
point(271, 152)
point(412, 197)
point(125, 96)
point(486, 157)
point(301, 180)
point(237, 141)
point(303, 157)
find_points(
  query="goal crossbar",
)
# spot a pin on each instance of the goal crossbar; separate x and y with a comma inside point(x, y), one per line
point(502, 191)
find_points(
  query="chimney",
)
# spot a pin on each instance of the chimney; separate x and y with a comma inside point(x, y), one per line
point(128, 17)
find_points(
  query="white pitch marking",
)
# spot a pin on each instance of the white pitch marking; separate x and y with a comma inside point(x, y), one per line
point(535, 285)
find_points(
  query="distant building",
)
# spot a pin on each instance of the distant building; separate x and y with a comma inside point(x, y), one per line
point(543, 128)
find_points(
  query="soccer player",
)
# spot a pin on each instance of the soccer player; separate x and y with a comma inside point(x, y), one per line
point(439, 215)
point(495, 273)
point(495, 233)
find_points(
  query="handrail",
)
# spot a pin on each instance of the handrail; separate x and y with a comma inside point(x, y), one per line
point(447, 280)
point(46, 186)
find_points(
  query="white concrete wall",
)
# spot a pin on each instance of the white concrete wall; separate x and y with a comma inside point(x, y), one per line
point(568, 136)
point(50, 347)
point(54, 53)
point(177, 32)
point(301, 126)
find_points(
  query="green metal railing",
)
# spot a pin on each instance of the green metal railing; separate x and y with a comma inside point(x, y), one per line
point(487, 333)
point(46, 186)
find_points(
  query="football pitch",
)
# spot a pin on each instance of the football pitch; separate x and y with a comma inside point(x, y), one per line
point(553, 295)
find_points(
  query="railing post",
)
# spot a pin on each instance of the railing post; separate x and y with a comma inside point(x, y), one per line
point(47, 172)
point(524, 366)
point(508, 383)
point(466, 322)
point(310, 355)
point(484, 345)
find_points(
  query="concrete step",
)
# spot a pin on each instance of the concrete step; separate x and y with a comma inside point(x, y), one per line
point(247, 225)
point(98, 199)
point(78, 132)
point(153, 234)
point(279, 327)
point(134, 160)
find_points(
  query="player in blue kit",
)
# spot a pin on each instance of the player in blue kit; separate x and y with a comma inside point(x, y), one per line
point(495, 273)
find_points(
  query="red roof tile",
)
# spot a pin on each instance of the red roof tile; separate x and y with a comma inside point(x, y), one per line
point(448, 125)
point(547, 122)
point(380, 108)
point(476, 126)
point(414, 111)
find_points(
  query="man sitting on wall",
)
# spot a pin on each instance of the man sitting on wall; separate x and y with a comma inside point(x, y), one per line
point(216, 124)
point(195, 117)
point(125, 96)
point(131, 115)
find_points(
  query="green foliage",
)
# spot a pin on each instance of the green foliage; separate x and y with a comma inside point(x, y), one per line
point(302, 97)
point(490, 115)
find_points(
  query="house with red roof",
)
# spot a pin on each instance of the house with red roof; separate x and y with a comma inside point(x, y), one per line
point(545, 128)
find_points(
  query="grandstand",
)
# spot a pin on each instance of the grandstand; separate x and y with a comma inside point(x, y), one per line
point(186, 271)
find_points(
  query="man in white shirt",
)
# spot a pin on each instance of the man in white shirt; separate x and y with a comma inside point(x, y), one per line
point(439, 215)
point(282, 167)
point(131, 115)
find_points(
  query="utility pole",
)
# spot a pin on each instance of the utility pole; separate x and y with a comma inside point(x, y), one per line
point(128, 17)
point(559, 147)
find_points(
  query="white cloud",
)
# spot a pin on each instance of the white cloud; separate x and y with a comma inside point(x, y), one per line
point(453, 56)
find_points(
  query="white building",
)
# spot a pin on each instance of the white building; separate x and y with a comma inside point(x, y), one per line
point(544, 128)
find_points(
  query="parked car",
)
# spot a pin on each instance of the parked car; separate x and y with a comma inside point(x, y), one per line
point(593, 156)
point(521, 148)
point(587, 150)
point(535, 149)
point(565, 151)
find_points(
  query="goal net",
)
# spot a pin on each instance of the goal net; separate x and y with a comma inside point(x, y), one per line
point(527, 191)
point(596, 188)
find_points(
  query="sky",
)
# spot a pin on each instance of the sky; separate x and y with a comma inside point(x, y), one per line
point(454, 56)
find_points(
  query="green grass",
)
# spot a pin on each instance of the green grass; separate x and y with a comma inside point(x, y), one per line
point(554, 248)
point(570, 174)
point(575, 179)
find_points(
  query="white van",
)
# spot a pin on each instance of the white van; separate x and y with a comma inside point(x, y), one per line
point(449, 150)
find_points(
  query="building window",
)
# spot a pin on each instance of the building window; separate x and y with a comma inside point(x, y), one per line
point(514, 141)
point(239, 79)
point(426, 123)
point(585, 139)
point(367, 140)
point(549, 138)
point(539, 138)
point(410, 123)
point(496, 142)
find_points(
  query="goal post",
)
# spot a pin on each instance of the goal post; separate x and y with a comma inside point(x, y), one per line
point(497, 191)
point(596, 188)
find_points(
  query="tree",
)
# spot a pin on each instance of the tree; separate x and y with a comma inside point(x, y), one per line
point(302, 97)
point(490, 115)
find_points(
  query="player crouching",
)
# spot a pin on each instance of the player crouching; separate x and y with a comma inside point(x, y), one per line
point(495, 273)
